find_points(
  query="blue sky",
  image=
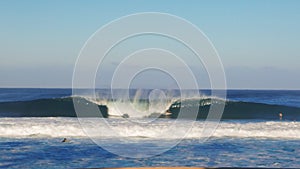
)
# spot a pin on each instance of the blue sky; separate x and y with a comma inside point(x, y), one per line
point(258, 40)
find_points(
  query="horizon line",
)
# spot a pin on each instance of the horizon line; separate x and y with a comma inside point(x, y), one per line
point(82, 88)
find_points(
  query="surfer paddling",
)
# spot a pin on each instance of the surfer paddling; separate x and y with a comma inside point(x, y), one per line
point(65, 140)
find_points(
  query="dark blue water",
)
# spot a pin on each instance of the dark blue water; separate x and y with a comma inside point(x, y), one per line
point(81, 153)
point(23, 94)
point(277, 97)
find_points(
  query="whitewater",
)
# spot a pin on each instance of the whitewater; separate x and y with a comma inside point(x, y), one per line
point(70, 127)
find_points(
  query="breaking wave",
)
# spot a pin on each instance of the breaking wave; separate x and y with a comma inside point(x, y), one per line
point(63, 107)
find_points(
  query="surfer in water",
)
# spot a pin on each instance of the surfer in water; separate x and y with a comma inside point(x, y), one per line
point(65, 140)
point(280, 115)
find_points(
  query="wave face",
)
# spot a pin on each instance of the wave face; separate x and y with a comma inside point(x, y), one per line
point(234, 109)
point(62, 107)
point(70, 127)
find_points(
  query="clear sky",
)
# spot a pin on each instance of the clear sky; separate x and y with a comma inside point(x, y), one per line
point(258, 40)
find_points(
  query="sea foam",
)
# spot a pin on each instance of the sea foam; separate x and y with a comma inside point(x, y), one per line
point(144, 128)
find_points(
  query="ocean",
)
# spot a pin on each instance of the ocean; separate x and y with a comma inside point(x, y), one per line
point(144, 131)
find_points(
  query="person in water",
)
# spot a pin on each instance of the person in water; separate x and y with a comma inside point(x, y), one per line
point(280, 115)
point(65, 140)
